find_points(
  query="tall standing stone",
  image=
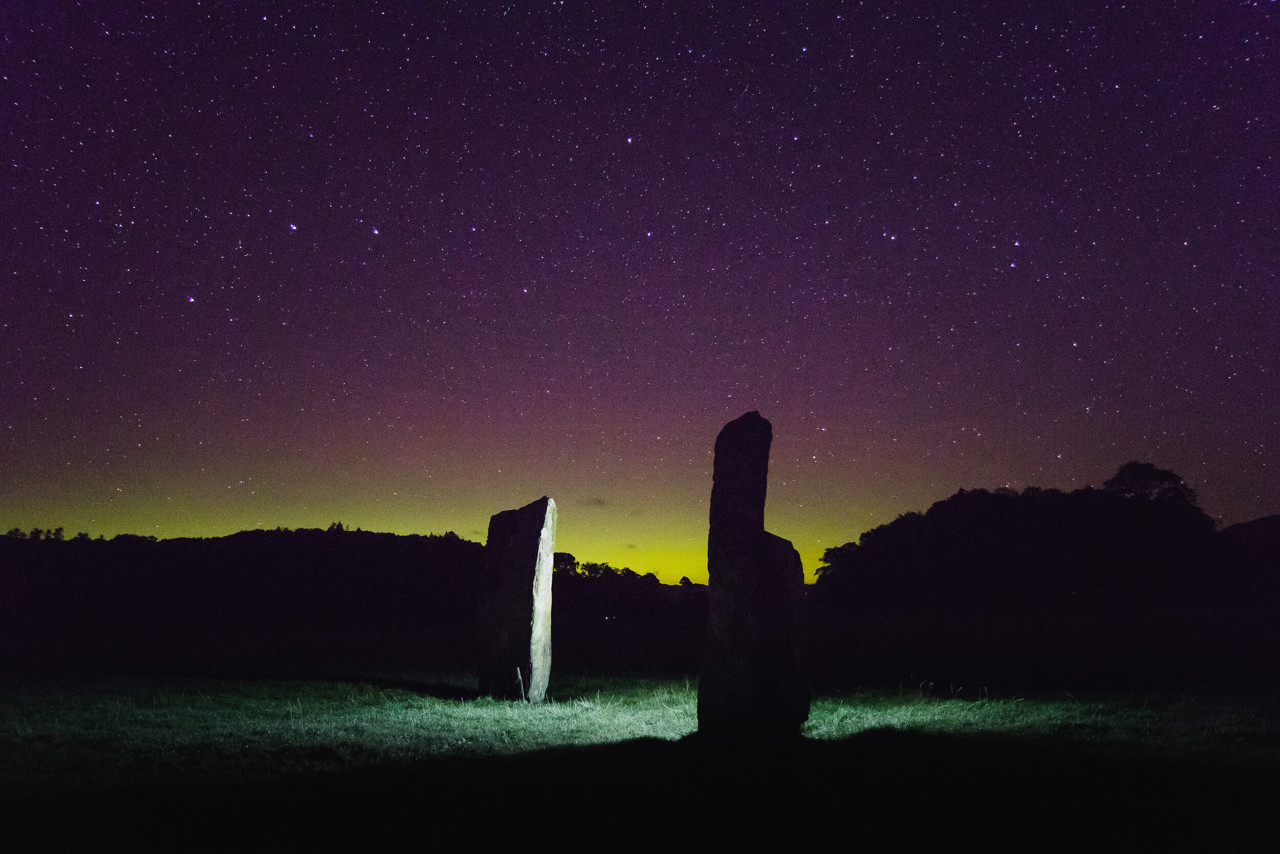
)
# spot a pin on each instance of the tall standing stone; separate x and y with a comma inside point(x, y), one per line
point(514, 616)
point(753, 682)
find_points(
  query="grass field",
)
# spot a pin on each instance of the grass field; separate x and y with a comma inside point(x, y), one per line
point(70, 738)
point(128, 756)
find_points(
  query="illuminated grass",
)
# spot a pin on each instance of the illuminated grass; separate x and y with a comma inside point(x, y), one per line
point(59, 740)
point(84, 739)
point(1218, 728)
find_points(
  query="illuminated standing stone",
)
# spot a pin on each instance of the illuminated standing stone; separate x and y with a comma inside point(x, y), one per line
point(514, 618)
point(752, 683)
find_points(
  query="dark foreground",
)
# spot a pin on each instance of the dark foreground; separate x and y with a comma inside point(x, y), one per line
point(879, 786)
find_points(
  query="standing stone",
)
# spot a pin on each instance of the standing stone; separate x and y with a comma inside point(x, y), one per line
point(514, 617)
point(753, 681)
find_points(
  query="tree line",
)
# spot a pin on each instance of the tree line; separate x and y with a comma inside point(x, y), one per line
point(1132, 580)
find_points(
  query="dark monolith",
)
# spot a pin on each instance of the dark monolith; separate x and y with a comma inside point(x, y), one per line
point(514, 616)
point(753, 683)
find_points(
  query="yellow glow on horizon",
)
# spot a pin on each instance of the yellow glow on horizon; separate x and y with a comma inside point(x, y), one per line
point(650, 524)
point(669, 540)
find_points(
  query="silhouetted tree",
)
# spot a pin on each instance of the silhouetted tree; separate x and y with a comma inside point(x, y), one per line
point(590, 569)
point(1144, 480)
point(1119, 580)
point(836, 559)
point(1043, 548)
point(133, 538)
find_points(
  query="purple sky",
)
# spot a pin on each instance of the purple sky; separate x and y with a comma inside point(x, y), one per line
point(408, 267)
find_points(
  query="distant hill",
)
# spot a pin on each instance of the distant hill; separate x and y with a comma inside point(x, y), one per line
point(1255, 543)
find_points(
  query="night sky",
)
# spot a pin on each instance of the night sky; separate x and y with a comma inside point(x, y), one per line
point(272, 264)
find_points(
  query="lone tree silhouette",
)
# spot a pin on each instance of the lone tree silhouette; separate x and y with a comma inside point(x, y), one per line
point(1144, 480)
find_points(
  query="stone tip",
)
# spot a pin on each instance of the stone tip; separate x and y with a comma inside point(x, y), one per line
point(752, 419)
point(747, 427)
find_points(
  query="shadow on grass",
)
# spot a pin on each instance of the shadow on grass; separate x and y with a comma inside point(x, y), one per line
point(880, 785)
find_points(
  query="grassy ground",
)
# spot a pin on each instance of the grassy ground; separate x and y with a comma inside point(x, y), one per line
point(66, 738)
point(126, 756)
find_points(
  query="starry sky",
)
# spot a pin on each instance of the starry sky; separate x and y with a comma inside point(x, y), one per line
point(406, 265)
